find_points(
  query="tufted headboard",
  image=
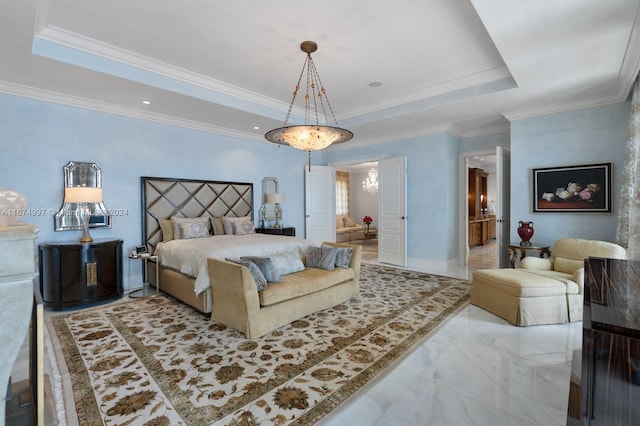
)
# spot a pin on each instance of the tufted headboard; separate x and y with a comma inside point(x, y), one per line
point(166, 197)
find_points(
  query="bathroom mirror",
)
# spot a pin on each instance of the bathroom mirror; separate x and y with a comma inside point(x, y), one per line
point(77, 174)
point(268, 211)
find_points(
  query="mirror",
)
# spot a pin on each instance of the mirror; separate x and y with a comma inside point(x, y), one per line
point(268, 211)
point(68, 217)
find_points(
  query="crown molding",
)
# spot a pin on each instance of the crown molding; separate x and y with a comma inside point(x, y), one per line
point(563, 107)
point(77, 102)
point(77, 42)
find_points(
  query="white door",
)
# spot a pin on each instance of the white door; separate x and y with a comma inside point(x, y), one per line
point(392, 211)
point(503, 206)
point(320, 213)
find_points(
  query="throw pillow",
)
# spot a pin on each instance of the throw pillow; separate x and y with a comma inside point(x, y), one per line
point(190, 230)
point(177, 229)
point(243, 228)
point(322, 257)
point(287, 263)
point(167, 229)
point(343, 256)
point(258, 278)
point(217, 225)
point(349, 222)
point(228, 222)
point(266, 267)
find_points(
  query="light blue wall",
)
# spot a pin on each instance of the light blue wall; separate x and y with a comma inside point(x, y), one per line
point(37, 139)
point(593, 135)
point(432, 179)
point(485, 142)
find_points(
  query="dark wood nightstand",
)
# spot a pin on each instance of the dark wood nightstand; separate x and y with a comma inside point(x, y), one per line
point(288, 231)
point(75, 273)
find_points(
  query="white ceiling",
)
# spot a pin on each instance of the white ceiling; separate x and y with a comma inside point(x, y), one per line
point(462, 66)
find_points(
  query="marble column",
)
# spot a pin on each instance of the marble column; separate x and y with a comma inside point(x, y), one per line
point(18, 269)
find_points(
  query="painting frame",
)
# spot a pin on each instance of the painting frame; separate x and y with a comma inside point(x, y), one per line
point(572, 189)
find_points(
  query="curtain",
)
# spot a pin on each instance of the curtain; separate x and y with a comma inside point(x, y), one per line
point(342, 193)
point(628, 232)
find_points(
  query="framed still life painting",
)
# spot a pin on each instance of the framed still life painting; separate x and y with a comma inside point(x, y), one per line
point(572, 189)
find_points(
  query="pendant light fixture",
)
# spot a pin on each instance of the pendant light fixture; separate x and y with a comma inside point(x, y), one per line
point(310, 136)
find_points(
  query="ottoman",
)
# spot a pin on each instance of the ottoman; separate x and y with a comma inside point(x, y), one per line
point(520, 297)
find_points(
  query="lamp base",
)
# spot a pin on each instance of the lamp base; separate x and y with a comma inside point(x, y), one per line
point(86, 238)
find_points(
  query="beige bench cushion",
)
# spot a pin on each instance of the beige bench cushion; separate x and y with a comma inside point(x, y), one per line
point(517, 283)
point(302, 283)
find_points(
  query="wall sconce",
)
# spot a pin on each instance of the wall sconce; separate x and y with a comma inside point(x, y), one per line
point(276, 198)
point(83, 196)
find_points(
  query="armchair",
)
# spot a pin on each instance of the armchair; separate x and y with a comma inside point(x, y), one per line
point(541, 291)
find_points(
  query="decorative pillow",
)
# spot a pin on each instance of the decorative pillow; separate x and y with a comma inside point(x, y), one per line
point(287, 263)
point(349, 222)
point(343, 255)
point(228, 222)
point(193, 229)
point(243, 228)
point(339, 222)
point(217, 225)
point(167, 229)
point(176, 220)
point(322, 257)
point(258, 278)
point(266, 267)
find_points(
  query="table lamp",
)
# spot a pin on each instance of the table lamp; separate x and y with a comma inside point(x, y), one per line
point(83, 195)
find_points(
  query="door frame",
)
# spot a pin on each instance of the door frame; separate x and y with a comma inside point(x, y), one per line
point(463, 194)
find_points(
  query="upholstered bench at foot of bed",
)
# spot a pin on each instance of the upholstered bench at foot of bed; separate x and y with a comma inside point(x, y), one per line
point(520, 297)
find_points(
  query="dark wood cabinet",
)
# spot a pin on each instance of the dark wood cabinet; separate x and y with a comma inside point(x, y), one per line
point(74, 273)
point(289, 231)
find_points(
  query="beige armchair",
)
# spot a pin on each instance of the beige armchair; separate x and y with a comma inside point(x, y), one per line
point(541, 291)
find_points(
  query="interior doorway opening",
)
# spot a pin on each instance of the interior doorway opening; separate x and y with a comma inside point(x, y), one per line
point(359, 199)
point(480, 244)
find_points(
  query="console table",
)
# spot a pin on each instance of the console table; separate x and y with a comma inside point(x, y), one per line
point(609, 385)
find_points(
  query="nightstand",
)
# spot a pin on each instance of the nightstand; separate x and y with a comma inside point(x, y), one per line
point(146, 290)
point(289, 231)
point(75, 273)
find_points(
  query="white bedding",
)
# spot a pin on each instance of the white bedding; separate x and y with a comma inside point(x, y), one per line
point(189, 256)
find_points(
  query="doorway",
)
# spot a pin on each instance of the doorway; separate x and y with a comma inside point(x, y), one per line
point(361, 201)
point(479, 172)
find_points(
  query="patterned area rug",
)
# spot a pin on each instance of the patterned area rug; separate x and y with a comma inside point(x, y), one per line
point(156, 361)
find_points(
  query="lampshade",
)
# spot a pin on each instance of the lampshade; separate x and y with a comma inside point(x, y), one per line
point(308, 136)
point(275, 198)
point(82, 194)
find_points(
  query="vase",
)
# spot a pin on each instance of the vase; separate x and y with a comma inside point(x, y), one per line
point(525, 231)
point(13, 205)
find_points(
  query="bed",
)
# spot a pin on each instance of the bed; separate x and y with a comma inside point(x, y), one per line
point(182, 270)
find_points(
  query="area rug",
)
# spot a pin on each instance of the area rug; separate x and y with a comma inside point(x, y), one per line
point(156, 361)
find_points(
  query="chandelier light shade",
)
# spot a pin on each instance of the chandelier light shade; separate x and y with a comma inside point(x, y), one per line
point(370, 184)
point(315, 134)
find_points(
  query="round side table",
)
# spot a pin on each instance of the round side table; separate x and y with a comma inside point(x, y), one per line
point(514, 249)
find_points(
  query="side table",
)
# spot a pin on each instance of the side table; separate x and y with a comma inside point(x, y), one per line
point(288, 231)
point(145, 291)
point(74, 273)
point(513, 250)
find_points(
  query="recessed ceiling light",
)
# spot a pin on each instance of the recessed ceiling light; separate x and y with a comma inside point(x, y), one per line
point(146, 102)
point(375, 84)
point(256, 128)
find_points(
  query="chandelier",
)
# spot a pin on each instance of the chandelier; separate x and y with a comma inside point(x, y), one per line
point(370, 184)
point(310, 136)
